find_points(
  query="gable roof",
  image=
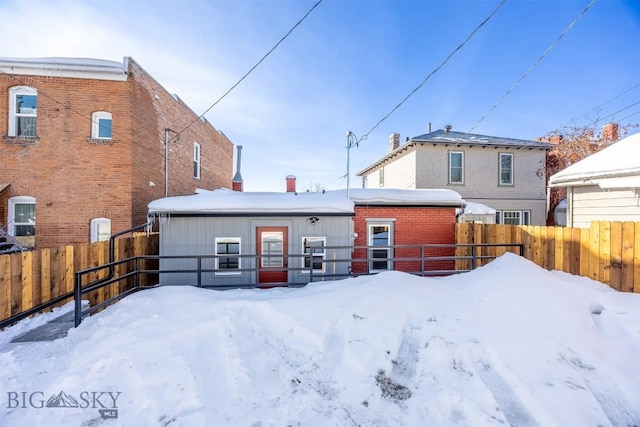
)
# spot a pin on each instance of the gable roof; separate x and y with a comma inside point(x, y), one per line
point(621, 159)
point(442, 137)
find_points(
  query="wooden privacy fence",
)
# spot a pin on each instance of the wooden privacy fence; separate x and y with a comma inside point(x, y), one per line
point(608, 252)
point(31, 278)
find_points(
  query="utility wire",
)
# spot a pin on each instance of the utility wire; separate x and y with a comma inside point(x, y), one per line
point(252, 68)
point(613, 114)
point(533, 65)
point(366, 135)
point(606, 102)
point(630, 115)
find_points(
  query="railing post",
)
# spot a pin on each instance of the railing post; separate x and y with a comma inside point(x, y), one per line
point(422, 260)
point(77, 299)
point(137, 277)
point(199, 271)
point(473, 256)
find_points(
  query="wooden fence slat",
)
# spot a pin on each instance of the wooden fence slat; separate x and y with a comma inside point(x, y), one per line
point(636, 259)
point(37, 277)
point(558, 248)
point(45, 274)
point(594, 250)
point(551, 248)
point(605, 252)
point(585, 251)
point(16, 283)
point(574, 262)
point(628, 230)
point(27, 280)
point(5, 286)
point(615, 270)
point(69, 269)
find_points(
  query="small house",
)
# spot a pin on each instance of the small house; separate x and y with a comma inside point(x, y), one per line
point(604, 186)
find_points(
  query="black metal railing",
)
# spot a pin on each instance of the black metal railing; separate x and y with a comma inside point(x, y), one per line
point(131, 269)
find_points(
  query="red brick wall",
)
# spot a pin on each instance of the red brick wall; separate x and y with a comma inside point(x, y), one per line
point(75, 180)
point(412, 225)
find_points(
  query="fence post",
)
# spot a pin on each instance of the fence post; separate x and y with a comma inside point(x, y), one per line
point(77, 299)
point(473, 257)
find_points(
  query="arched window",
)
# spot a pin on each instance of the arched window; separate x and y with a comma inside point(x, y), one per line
point(101, 125)
point(21, 219)
point(23, 111)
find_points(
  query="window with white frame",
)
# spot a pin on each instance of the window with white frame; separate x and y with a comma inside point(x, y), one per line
point(23, 111)
point(506, 168)
point(456, 167)
point(378, 236)
point(22, 216)
point(100, 229)
point(513, 217)
point(232, 263)
point(196, 160)
point(381, 178)
point(101, 125)
point(314, 246)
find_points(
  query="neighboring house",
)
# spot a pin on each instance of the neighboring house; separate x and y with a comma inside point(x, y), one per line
point(278, 228)
point(604, 186)
point(83, 148)
point(505, 174)
point(478, 213)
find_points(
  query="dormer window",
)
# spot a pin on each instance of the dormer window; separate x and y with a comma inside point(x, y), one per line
point(23, 111)
point(101, 125)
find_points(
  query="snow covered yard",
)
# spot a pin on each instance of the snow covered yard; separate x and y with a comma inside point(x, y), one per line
point(507, 344)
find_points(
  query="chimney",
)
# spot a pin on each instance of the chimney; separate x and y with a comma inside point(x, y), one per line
point(291, 184)
point(394, 141)
point(447, 128)
point(610, 132)
point(236, 183)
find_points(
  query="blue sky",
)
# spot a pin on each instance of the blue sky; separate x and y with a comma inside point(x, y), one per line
point(348, 64)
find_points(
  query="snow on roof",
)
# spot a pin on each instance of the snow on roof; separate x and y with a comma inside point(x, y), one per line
point(619, 159)
point(463, 138)
point(66, 67)
point(397, 196)
point(225, 201)
point(475, 208)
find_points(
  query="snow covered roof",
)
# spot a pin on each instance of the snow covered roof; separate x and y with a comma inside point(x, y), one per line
point(475, 208)
point(228, 202)
point(621, 159)
point(87, 68)
point(396, 196)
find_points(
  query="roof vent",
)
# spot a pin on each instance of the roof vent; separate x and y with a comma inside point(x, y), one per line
point(447, 128)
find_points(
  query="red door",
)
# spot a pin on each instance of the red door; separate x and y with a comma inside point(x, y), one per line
point(272, 252)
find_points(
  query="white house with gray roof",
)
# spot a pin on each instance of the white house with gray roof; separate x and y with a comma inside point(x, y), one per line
point(505, 174)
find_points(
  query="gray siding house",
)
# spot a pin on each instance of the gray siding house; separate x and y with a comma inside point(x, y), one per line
point(253, 236)
point(604, 186)
point(505, 174)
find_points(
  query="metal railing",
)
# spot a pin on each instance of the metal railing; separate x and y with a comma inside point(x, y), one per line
point(355, 265)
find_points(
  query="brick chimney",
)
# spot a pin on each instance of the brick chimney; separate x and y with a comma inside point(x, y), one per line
point(291, 184)
point(611, 132)
point(237, 182)
point(394, 141)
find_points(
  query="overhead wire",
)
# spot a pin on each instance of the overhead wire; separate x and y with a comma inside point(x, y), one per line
point(533, 65)
point(606, 102)
point(252, 68)
point(460, 46)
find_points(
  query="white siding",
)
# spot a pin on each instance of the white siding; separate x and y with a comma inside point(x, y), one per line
point(591, 203)
point(399, 173)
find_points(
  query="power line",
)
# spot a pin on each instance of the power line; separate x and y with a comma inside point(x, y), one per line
point(613, 114)
point(630, 115)
point(533, 65)
point(252, 68)
point(366, 135)
point(606, 102)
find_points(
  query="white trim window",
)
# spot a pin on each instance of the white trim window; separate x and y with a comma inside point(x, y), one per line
point(513, 217)
point(196, 160)
point(232, 263)
point(22, 216)
point(23, 111)
point(380, 234)
point(314, 246)
point(100, 229)
point(381, 177)
point(456, 167)
point(101, 125)
point(506, 168)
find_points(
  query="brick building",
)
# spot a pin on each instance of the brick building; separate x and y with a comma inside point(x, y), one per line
point(82, 148)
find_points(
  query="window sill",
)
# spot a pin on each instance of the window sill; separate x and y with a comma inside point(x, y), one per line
point(100, 141)
point(21, 140)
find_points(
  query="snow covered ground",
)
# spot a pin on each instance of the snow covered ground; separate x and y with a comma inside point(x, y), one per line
point(507, 344)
